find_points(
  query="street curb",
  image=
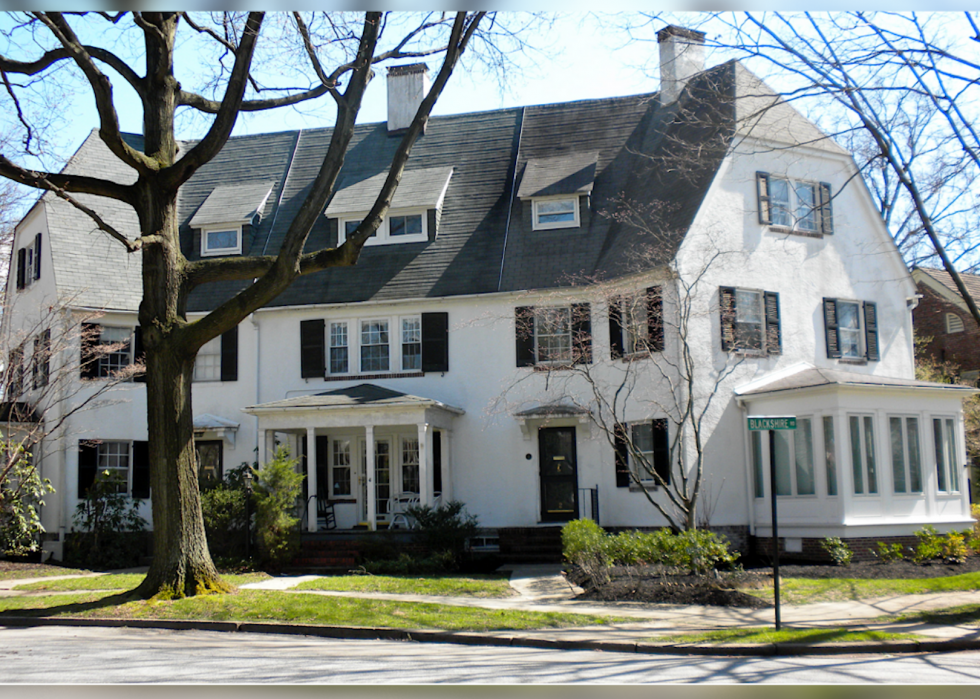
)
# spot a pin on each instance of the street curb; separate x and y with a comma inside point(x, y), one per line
point(475, 639)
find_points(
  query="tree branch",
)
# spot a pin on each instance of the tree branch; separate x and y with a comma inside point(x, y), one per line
point(77, 184)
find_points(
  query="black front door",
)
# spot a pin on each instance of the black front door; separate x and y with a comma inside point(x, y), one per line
point(559, 481)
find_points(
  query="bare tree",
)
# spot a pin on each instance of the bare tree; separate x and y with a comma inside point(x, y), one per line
point(339, 54)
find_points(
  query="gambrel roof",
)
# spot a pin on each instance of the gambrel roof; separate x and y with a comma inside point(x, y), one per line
point(477, 173)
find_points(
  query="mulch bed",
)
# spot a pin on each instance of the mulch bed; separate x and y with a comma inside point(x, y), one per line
point(657, 585)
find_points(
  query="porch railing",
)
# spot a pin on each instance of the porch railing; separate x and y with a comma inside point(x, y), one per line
point(588, 503)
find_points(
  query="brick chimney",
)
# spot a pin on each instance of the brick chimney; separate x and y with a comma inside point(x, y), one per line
point(681, 56)
point(407, 87)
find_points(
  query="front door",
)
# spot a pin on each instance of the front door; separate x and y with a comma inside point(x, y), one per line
point(559, 480)
point(382, 479)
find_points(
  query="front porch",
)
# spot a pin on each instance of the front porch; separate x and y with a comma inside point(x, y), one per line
point(368, 453)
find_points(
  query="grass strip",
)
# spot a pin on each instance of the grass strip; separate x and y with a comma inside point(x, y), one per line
point(784, 635)
point(962, 615)
point(38, 571)
point(119, 581)
point(289, 607)
point(808, 590)
point(481, 586)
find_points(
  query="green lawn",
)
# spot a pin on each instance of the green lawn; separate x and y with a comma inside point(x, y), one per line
point(962, 615)
point(38, 570)
point(266, 605)
point(449, 585)
point(119, 581)
point(806, 590)
point(784, 635)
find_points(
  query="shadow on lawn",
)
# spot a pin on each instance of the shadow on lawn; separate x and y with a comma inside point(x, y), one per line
point(75, 607)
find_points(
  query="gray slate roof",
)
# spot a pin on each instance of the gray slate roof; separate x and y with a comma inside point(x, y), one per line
point(236, 203)
point(626, 149)
point(364, 395)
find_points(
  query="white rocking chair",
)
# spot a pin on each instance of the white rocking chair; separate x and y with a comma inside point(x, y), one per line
point(400, 504)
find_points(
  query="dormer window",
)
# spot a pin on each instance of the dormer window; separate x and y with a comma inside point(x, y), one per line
point(556, 212)
point(221, 241)
point(409, 218)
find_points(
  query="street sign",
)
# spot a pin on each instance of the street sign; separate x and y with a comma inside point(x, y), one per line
point(771, 423)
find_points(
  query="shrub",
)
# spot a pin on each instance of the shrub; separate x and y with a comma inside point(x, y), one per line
point(585, 544)
point(276, 489)
point(702, 551)
point(889, 552)
point(108, 526)
point(223, 507)
point(445, 528)
point(406, 564)
point(839, 552)
point(929, 546)
point(21, 490)
point(953, 548)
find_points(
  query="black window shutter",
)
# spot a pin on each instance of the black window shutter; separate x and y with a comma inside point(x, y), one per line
point(765, 211)
point(726, 299)
point(826, 209)
point(91, 334)
point(88, 464)
point(622, 457)
point(436, 461)
point(524, 334)
point(312, 349)
point(37, 256)
point(323, 466)
point(830, 323)
point(581, 333)
point(139, 354)
point(435, 341)
point(871, 330)
point(141, 470)
point(655, 319)
point(229, 355)
point(774, 336)
point(617, 345)
point(661, 449)
point(21, 271)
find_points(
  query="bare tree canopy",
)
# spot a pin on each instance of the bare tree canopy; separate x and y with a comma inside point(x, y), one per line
point(251, 62)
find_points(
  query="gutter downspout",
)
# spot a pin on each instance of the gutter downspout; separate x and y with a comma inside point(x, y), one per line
point(510, 204)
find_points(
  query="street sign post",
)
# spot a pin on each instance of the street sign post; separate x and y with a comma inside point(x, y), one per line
point(771, 423)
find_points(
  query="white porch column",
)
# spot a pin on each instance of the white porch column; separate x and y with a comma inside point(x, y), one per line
point(425, 464)
point(369, 467)
point(311, 479)
point(447, 472)
point(268, 446)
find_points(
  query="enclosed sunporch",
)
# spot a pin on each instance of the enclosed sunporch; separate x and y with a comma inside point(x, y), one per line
point(368, 453)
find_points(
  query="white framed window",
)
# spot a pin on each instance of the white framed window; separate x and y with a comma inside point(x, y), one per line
point(226, 240)
point(642, 435)
point(340, 467)
point(118, 353)
point(339, 350)
point(412, 343)
point(795, 205)
point(555, 212)
point(954, 324)
point(750, 321)
point(849, 329)
point(207, 364)
point(906, 454)
point(400, 226)
point(944, 442)
point(553, 335)
point(114, 458)
point(830, 454)
point(636, 324)
point(852, 329)
point(794, 459)
point(864, 463)
point(29, 263)
point(375, 350)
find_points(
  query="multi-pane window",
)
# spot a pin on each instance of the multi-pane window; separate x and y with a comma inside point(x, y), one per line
point(641, 465)
point(794, 459)
point(906, 454)
point(863, 461)
point(636, 324)
point(399, 228)
point(849, 329)
point(944, 441)
point(411, 344)
point(116, 352)
point(830, 454)
point(207, 364)
point(339, 363)
point(41, 360)
point(553, 334)
point(410, 466)
point(799, 206)
point(749, 320)
point(340, 467)
point(114, 458)
point(374, 345)
point(555, 213)
point(759, 477)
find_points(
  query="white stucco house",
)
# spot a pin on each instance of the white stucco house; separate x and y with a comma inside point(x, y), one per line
point(708, 220)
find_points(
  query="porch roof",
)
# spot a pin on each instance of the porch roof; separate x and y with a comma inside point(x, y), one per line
point(363, 396)
point(806, 377)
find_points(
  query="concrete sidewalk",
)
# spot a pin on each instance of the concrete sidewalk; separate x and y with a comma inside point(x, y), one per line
point(543, 588)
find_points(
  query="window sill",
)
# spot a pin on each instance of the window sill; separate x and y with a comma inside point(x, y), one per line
point(785, 230)
point(390, 375)
point(853, 362)
point(648, 487)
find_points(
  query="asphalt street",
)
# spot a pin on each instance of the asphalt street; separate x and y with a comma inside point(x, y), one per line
point(88, 655)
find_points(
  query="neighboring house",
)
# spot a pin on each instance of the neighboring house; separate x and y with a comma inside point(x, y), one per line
point(521, 241)
point(943, 318)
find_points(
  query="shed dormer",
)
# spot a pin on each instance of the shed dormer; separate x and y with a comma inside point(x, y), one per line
point(228, 214)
